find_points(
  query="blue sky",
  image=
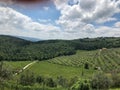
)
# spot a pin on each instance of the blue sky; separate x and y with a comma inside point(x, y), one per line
point(61, 19)
point(43, 12)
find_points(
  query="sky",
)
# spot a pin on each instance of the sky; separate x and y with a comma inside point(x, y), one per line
point(61, 19)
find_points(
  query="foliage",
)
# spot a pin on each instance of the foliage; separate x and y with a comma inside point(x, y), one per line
point(116, 80)
point(5, 73)
point(50, 82)
point(86, 66)
point(40, 79)
point(72, 81)
point(101, 81)
point(12, 48)
point(99, 60)
point(81, 85)
point(62, 81)
point(27, 79)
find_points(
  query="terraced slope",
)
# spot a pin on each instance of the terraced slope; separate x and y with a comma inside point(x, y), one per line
point(102, 59)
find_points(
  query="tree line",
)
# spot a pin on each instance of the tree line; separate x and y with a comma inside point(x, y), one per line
point(12, 48)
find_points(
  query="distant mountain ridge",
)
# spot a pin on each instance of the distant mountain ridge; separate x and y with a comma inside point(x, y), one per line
point(29, 38)
point(16, 48)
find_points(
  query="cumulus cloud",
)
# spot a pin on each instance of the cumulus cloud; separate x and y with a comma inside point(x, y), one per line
point(88, 5)
point(89, 10)
point(15, 23)
point(117, 24)
point(79, 19)
point(82, 16)
point(105, 31)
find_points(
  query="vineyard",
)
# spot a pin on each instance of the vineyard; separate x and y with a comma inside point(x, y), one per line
point(84, 65)
point(106, 60)
point(103, 59)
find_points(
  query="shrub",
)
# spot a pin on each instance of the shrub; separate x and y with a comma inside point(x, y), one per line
point(62, 81)
point(27, 79)
point(86, 66)
point(39, 79)
point(116, 80)
point(81, 85)
point(5, 72)
point(72, 81)
point(50, 82)
point(101, 81)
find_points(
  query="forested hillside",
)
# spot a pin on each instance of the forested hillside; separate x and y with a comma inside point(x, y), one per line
point(12, 48)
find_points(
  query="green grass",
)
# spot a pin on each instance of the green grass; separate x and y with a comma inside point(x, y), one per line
point(16, 64)
point(53, 70)
point(115, 89)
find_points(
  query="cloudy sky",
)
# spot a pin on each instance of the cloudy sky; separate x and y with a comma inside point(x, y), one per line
point(61, 19)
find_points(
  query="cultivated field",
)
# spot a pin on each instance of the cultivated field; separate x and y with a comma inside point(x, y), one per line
point(84, 64)
point(103, 59)
point(68, 66)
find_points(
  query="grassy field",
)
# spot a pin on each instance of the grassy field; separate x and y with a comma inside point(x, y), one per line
point(104, 60)
point(53, 70)
point(17, 64)
point(115, 89)
point(74, 65)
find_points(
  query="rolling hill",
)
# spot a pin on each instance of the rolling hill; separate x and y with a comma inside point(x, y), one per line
point(89, 62)
point(59, 59)
point(17, 49)
point(103, 59)
point(83, 65)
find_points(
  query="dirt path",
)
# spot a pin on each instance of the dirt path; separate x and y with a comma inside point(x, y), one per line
point(29, 65)
point(25, 67)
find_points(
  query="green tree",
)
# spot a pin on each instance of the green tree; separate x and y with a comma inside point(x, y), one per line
point(5, 72)
point(101, 81)
point(40, 79)
point(116, 80)
point(86, 66)
point(50, 82)
point(62, 81)
point(27, 79)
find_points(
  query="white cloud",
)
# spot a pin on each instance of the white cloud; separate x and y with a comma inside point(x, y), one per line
point(60, 3)
point(105, 31)
point(78, 18)
point(89, 10)
point(76, 21)
point(87, 5)
point(46, 8)
point(15, 23)
point(117, 24)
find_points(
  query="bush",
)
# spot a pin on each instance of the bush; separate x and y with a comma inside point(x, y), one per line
point(72, 81)
point(27, 79)
point(40, 79)
point(101, 81)
point(5, 72)
point(50, 82)
point(86, 66)
point(81, 85)
point(62, 81)
point(116, 80)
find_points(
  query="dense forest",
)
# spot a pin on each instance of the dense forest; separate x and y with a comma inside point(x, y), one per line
point(13, 48)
